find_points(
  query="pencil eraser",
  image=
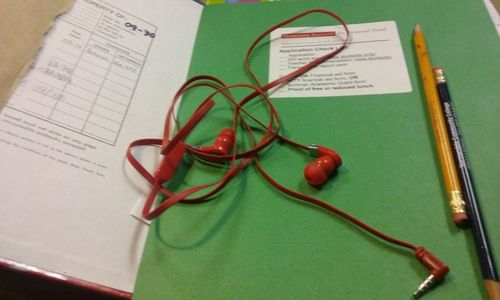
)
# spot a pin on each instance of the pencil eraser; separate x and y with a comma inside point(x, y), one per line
point(460, 219)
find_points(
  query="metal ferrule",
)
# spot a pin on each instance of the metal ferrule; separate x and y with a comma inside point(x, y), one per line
point(439, 75)
point(457, 203)
point(312, 149)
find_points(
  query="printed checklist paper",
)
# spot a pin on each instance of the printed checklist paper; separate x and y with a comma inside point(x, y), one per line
point(372, 63)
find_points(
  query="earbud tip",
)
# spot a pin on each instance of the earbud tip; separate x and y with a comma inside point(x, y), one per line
point(227, 132)
point(315, 175)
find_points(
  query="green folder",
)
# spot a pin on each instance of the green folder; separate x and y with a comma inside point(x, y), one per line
point(253, 242)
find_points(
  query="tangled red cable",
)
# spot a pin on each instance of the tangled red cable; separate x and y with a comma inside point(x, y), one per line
point(225, 149)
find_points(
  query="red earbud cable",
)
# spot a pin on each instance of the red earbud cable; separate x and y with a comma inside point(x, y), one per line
point(173, 146)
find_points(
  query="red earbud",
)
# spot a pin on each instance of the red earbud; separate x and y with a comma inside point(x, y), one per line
point(317, 172)
point(222, 144)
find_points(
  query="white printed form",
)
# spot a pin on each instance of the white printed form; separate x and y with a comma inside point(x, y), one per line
point(85, 78)
point(104, 77)
point(372, 62)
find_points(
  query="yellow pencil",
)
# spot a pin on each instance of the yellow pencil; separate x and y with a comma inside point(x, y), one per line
point(441, 140)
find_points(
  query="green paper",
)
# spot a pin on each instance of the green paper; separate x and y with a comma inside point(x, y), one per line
point(253, 242)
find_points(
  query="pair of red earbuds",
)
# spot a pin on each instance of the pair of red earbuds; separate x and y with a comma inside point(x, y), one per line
point(316, 173)
point(224, 149)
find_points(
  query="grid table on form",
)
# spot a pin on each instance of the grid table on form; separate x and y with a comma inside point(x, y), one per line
point(87, 86)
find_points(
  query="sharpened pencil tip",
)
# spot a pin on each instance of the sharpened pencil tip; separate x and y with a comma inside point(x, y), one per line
point(417, 27)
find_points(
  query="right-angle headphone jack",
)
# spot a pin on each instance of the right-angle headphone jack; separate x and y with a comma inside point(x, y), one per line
point(438, 271)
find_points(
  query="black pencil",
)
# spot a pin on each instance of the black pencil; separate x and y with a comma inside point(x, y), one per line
point(483, 249)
